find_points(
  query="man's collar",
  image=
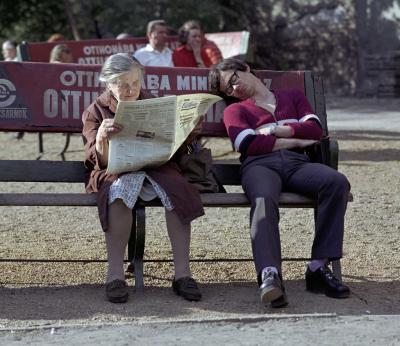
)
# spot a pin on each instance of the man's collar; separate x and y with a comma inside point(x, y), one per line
point(150, 48)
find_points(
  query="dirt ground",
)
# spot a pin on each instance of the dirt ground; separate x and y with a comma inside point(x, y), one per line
point(48, 294)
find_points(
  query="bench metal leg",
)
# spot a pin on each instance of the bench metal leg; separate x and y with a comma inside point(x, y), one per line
point(66, 145)
point(136, 247)
point(41, 149)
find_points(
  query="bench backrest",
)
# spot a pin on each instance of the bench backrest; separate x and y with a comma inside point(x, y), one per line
point(74, 171)
point(51, 97)
point(231, 44)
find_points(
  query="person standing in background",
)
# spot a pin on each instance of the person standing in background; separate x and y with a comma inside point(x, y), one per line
point(195, 49)
point(56, 37)
point(61, 54)
point(9, 51)
point(156, 52)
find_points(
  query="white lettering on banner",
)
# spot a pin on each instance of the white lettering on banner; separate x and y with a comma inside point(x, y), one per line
point(152, 82)
point(87, 79)
point(70, 103)
point(194, 83)
point(50, 100)
point(88, 98)
point(96, 55)
point(92, 60)
point(65, 102)
point(182, 83)
point(68, 78)
point(112, 49)
point(202, 83)
point(13, 113)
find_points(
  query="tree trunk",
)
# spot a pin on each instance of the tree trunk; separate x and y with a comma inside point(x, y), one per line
point(72, 21)
point(360, 9)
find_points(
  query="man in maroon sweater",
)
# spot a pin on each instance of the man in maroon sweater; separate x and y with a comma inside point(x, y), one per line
point(270, 130)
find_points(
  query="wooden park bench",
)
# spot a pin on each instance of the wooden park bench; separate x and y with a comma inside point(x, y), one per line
point(51, 105)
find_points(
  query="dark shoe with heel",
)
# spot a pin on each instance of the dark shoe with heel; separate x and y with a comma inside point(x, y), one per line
point(187, 288)
point(117, 291)
point(272, 290)
point(323, 281)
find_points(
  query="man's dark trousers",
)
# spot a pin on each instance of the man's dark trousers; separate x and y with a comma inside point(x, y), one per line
point(263, 179)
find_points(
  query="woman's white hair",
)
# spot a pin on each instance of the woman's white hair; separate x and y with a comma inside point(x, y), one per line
point(118, 64)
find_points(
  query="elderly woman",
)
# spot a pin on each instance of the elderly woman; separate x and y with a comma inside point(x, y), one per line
point(117, 194)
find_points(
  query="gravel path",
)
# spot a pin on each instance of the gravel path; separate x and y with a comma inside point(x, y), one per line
point(50, 295)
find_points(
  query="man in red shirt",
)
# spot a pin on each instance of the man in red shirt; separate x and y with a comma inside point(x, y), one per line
point(270, 130)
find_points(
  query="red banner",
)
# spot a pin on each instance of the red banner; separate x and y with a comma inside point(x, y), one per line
point(51, 97)
point(96, 51)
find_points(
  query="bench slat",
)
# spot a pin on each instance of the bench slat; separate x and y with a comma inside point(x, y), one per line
point(42, 171)
point(74, 171)
point(47, 199)
point(82, 199)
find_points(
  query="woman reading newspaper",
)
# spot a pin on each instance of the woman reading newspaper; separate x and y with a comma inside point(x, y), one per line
point(117, 194)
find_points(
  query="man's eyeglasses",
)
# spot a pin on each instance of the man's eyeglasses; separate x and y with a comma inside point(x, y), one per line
point(231, 82)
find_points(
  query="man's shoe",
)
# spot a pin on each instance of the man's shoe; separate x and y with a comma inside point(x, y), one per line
point(117, 291)
point(323, 281)
point(272, 290)
point(186, 288)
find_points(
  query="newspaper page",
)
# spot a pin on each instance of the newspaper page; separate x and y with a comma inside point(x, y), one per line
point(153, 129)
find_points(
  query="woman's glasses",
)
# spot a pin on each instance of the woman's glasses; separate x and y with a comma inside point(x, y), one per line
point(125, 86)
point(231, 82)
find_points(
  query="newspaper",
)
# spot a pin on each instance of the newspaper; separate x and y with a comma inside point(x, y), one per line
point(153, 130)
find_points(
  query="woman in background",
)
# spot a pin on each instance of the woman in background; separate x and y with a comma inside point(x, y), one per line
point(195, 50)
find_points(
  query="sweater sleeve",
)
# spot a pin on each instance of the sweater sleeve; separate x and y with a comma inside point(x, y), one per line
point(243, 136)
point(308, 125)
point(91, 124)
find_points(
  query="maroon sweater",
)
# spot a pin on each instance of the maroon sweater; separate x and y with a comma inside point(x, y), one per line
point(242, 119)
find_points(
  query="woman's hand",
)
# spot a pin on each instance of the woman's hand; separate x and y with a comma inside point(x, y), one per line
point(107, 129)
point(196, 47)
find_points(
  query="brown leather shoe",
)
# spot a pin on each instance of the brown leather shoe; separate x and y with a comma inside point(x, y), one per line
point(187, 288)
point(117, 291)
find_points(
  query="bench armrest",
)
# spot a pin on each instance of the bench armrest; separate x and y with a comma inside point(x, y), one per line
point(325, 152)
point(334, 153)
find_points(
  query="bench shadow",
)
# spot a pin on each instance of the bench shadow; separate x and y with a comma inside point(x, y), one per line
point(370, 155)
point(378, 155)
point(228, 300)
point(364, 135)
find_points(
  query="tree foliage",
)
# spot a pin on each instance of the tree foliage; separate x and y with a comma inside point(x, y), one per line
point(324, 35)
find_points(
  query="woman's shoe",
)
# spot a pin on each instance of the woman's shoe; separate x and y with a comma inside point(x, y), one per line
point(187, 288)
point(117, 291)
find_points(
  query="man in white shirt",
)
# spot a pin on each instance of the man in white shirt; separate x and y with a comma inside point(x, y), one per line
point(156, 52)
